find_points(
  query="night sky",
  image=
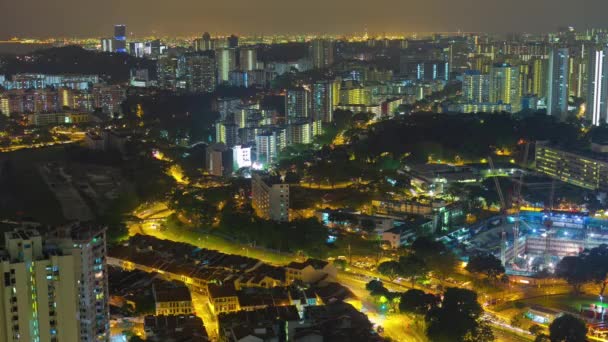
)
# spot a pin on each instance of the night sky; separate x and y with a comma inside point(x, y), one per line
point(84, 18)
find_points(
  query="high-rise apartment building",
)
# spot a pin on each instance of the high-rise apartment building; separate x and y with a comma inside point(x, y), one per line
point(557, 82)
point(204, 43)
point(505, 86)
point(200, 72)
point(322, 53)
point(297, 103)
point(269, 143)
point(476, 87)
point(270, 197)
point(248, 59)
point(323, 100)
point(88, 246)
point(226, 62)
point(54, 289)
point(38, 290)
point(597, 91)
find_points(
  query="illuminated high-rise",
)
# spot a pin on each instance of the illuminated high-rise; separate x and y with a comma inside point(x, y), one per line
point(226, 62)
point(597, 91)
point(323, 99)
point(38, 291)
point(297, 103)
point(204, 43)
point(505, 86)
point(200, 72)
point(557, 82)
point(538, 77)
point(476, 87)
point(322, 53)
point(119, 43)
point(54, 288)
point(248, 59)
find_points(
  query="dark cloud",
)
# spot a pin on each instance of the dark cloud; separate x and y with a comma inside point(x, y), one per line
point(95, 17)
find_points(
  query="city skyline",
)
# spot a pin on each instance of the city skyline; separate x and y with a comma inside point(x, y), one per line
point(188, 17)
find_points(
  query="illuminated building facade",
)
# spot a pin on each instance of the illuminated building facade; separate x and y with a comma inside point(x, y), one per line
point(299, 131)
point(226, 132)
point(476, 87)
point(269, 144)
point(88, 246)
point(200, 73)
point(270, 198)
point(557, 82)
point(248, 59)
point(583, 171)
point(297, 103)
point(323, 99)
point(56, 291)
point(597, 93)
point(226, 62)
point(505, 86)
point(38, 291)
point(322, 53)
point(119, 43)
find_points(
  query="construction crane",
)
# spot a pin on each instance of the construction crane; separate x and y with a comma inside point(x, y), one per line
point(503, 210)
point(518, 200)
point(549, 224)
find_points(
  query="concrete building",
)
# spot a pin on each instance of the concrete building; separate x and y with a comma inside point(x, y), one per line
point(505, 86)
point(88, 246)
point(172, 300)
point(557, 82)
point(200, 72)
point(248, 59)
point(269, 143)
point(38, 291)
point(119, 44)
point(298, 103)
point(588, 171)
point(322, 53)
point(218, 161)
point(223, 298)
point(597, 91)
point(299, 131)
point(476, 87)
point(226, 62)
point(310, 271)
point(270, 197)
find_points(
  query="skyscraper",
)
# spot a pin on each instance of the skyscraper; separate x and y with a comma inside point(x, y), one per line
point(120, 39)
point(322, 53)
point(323, 93)
point(597, 91)
point(166, 68)
point(38, 291)
point(226, 62)
point(233, 41)
point(54, 289)
point(200, 72)
point(538, 77)
point(557, 82)
point(297, 103)
point(88, 246)
point(505, 86)
point(248, 59)
point(204, 43)
point(476, 87)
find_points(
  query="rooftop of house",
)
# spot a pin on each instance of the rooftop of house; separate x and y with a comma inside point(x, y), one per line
point(314, 263)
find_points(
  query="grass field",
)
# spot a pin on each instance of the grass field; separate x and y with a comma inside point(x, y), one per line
point(570, 303)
